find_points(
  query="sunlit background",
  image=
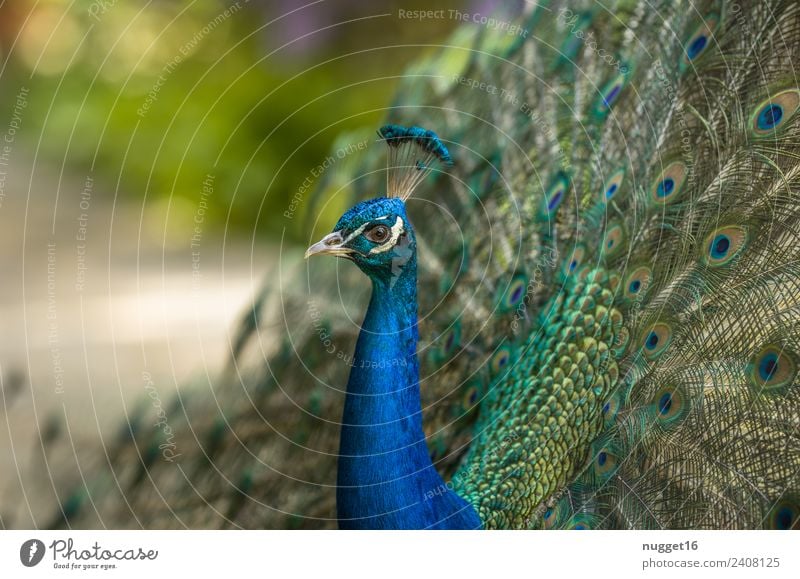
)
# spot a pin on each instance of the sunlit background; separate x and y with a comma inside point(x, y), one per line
point(149, 152)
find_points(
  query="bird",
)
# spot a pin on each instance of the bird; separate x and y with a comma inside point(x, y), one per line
point(384, 468)
point(593, 322)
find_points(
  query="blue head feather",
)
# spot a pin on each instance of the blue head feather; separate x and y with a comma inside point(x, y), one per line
point(380, 266)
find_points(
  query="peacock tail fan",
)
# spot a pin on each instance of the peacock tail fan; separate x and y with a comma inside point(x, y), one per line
point(617, 264)
point(609, 290)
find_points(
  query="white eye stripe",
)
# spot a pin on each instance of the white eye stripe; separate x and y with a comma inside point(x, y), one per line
point(356, 233)
point(397, 230)
point(359, 231)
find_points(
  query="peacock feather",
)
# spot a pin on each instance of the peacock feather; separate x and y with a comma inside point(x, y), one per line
point(594, 321)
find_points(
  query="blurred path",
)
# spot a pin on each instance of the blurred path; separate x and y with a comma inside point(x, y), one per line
point(90, 306)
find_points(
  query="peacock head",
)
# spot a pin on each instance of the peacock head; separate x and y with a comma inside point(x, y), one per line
point(376, 234)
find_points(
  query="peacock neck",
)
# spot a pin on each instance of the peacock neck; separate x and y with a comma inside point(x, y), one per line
point(386, 476)
point(385, 360)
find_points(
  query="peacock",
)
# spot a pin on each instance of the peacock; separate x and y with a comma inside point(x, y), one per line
point(593, 322)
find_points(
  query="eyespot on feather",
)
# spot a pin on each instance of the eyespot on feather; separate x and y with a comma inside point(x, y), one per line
point(668, 186)
point(555, 194)
point(700, 41)
point(772, 369)
point(609, 95)
point(614, 239)
point(637, 282)
point(605, 463)
point(772, 114)
point(574, 261)
point(499, 360)
point(724, 244)
point(784, 516)
point(670, 404)
point(514, 293)
point(656, 340)
point(612, 186)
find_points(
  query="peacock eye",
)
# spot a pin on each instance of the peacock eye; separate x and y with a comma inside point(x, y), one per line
point(378, 234)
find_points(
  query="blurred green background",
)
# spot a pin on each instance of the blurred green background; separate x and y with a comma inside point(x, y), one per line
point(150, 97)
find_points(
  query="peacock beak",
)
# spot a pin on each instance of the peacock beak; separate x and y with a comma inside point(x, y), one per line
point(331, 244)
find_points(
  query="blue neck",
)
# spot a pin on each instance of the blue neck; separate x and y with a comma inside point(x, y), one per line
point(386, 478)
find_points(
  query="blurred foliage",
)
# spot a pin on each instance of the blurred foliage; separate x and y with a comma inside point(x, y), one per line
point(151, 97)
